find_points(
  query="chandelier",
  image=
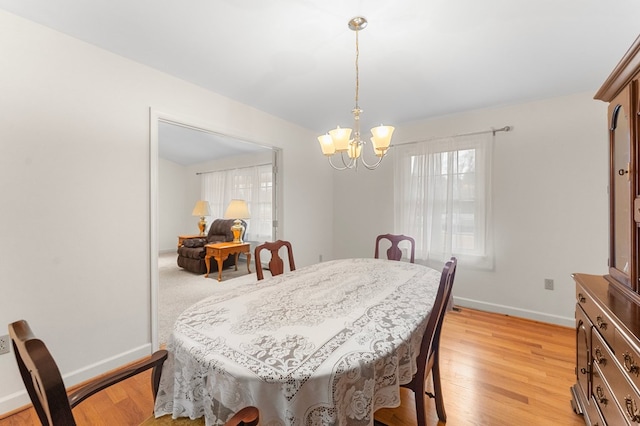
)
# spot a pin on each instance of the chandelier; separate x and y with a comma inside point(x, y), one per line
point(339, 141)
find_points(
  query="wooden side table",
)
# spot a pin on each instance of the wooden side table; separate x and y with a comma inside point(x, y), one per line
point(181, 238)
point(220, 252)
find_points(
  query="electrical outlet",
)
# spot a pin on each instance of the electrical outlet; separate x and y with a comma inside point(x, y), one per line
point(548, 284)
point(4, 344)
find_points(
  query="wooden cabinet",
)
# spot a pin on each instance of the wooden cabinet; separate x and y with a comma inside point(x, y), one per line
point(620, 90)
point(608, 352)
point(607, 389)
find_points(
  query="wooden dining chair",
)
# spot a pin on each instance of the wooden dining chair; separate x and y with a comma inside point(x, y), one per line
point(394, 252)
point(276, 264)
point(428, 360)
point(48, 394)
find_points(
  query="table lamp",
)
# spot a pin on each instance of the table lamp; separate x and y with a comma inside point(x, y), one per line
point(237, 209)
point(202, 209)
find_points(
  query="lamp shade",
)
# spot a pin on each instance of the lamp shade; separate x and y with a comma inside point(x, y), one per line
point(354, 150)
point(237, 209)
point(201, 209)
point(381, 138)
point(326, 144)
point(340, 138)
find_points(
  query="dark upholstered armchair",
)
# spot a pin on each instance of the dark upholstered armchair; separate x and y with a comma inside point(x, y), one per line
point(191, 252)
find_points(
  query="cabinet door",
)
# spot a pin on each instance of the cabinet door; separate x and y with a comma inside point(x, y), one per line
point(583, 354)
point(621, 192)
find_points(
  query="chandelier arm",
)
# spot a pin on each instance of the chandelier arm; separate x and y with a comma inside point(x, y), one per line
point(375, 165)
point(351, 162)
point(336, 167)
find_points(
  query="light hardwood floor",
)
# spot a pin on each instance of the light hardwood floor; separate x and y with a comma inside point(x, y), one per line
point(497, 370)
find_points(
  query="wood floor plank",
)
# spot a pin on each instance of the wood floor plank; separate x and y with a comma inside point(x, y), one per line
point(497, 370)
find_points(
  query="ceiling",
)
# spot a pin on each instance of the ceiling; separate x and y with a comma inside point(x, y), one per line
point(187, 146)
point(418, 58)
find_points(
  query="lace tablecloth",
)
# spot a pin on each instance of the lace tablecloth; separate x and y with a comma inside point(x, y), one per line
point(327, 344)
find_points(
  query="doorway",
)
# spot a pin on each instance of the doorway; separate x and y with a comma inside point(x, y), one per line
point(180, 151)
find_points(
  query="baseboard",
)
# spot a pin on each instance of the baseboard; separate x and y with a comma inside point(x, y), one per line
point(516, 312)
point(14, 403)
point(18, 400)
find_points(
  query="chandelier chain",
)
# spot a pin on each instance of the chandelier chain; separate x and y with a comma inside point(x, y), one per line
point(357, 70)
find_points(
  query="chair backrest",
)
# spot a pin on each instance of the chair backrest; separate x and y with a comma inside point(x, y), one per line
point(394, 252)
point(276, 264)
point(450, 277)
point(220, 230)
point(431, 337)
point(41, 376)
point(48, 394)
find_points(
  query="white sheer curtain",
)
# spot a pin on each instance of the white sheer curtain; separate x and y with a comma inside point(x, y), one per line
point(252, 184)
point(443, 198)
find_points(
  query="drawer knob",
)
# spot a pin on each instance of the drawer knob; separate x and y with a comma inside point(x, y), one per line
point(599, 358)
point(581, 298)
point(601, 323)
point(630, 364)
point(632, 409)
point(600, 394)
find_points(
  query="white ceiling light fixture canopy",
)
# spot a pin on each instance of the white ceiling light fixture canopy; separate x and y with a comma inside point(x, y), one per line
point(339, 139)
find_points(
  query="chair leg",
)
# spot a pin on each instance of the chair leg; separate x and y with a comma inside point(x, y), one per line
point(156, 373)
point(419, 395)
point(437, 388)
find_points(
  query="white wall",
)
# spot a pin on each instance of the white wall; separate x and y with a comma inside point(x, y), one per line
point(174, 205)
point(550, 204)
point(363, 206)
point(75, 187)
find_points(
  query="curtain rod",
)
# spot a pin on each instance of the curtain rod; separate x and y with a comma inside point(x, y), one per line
point(233, 168)
point(481, 132)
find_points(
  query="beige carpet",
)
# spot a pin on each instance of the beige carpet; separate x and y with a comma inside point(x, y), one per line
point(180, 289)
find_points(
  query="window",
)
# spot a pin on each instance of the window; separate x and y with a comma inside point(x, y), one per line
point(252, 184)
point(443, 200)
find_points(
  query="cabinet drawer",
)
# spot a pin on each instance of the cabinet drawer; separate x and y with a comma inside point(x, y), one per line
point(600, 320)
point(606, 379)
point(595, 417)
point(629, 358)
point(605, 400)
point(607, 373)
point(629, 403)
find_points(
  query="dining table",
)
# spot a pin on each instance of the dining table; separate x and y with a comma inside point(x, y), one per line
point(326, 344)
